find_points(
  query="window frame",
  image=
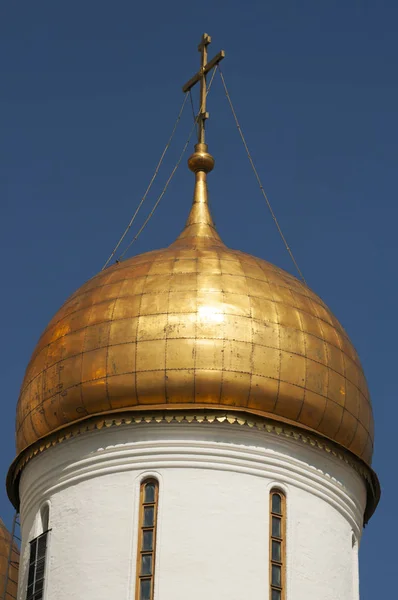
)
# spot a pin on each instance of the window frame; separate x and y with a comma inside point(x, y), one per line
point(142, 528)
point(280, 540)
point(37, 594)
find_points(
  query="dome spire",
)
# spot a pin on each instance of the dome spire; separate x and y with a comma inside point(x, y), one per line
point(200, 227)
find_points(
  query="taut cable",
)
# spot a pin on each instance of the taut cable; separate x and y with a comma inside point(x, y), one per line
point(259, 180)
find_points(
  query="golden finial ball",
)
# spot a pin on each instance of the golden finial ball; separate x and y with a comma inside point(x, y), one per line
point(201, 160)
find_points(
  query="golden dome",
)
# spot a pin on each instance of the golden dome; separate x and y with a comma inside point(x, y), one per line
point(194, 326)
point(5, 542)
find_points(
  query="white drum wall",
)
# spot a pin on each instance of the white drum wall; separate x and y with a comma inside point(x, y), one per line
point(213, 517)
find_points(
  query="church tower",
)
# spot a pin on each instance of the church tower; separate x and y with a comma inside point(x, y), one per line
point(194, 423)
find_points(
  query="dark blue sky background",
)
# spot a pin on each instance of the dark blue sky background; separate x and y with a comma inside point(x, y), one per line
point(89, 94)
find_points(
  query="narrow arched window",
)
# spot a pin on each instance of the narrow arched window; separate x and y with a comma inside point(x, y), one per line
point(37, 557)
point(149, 495)
point(277, 549)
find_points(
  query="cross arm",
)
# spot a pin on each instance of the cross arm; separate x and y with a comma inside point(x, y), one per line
point(212, 63)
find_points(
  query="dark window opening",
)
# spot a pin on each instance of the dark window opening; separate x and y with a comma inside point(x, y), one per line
point(37, 564)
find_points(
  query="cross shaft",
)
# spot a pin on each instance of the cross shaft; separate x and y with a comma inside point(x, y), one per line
point(200, 76)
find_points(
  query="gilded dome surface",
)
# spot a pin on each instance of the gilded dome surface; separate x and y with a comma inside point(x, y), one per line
point(197, 325)
point(12, 568)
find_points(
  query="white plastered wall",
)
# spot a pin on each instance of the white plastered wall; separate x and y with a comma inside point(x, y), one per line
point(213, 519)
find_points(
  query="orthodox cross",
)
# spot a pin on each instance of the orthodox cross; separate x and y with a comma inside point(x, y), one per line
point(205, 67)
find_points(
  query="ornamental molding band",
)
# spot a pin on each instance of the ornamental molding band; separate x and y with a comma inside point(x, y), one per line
point(157, 447)
point(206, 418)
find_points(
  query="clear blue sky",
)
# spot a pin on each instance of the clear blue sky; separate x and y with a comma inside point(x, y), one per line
point(89, 94)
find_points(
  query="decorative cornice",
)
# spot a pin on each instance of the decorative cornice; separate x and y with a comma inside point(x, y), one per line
point(98, 422)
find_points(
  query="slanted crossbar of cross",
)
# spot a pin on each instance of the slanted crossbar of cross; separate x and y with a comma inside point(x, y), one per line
point(205, 68)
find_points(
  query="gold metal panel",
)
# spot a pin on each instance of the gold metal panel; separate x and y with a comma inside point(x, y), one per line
point(162, 267)
point(363, 386)
point(259, 288)
point(316, 378)
point(95, 395)
point(303, 303)
point(178, 328)
point(210, 327)
point(336, 388)
point(127, 307)
point(71, 403)
point(265, 362)
point(96, 336)
point(288, 316)
point(209, 354)
point(157, 284)
point(41, 418)
point(122, 390)
point(236, 328)
point(264, 310)
point(79, 319)
point(331, 419)
point(94, 364)
point(290, 400)
point(109, 292)
point(324, 314)
point(311, 324)
point(263, 394)
point(152, 327)
point(180, 386)
point(148, 385)
point(132, 287)
point(50, 381)
point(121, 359)
point(237, 356)
point(210, 302)
point(292, 340)
point(282, 295)
point(235, 384)
point(207, 386)
point(237, 304)
point(151, 356)
point(70, 372)
point(351, 370)
point(265, 334)
point(182, 282)
point(231, 267)
point(358, 443)
point(181, 302)
point(180, 354)
point(365, 413)
point(210, 266)
point(234, 283)
point(335, 359)
point(152, 304)
point(197, 323)
point(352, 399)
point(347, 429)
point(35, 391)
point(315, 349)
point(209, 283)
point(123, 331)
point(185, 265)
point(292, 368)
point(54, 412)
point(27, 432)
point(253, 271)
point(330, 334)
point(62, 328)
point(312, 410)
